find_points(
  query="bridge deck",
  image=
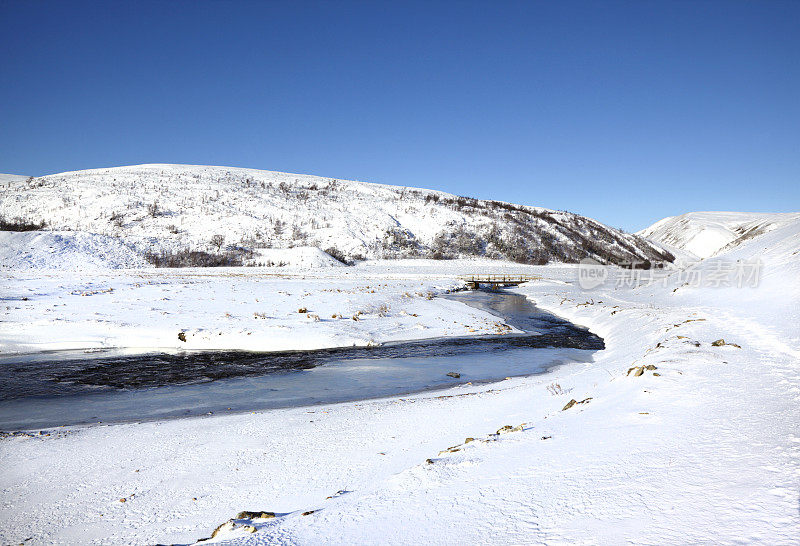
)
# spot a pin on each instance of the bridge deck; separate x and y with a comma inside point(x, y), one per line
point(505, 279)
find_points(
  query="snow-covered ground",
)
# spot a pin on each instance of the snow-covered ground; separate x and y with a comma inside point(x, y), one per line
point(672, 439)
point(252, 308)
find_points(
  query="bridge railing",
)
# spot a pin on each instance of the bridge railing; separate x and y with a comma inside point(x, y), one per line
point(499, 278)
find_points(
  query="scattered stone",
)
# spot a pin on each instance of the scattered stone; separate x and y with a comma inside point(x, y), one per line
point(468, 440)
point(246, 514)
point(428, 461)
point(650, 367)
point(573, 402)
point(546, 437)
point(302, 310)
point(452, 449)
point(228, 526)
point(721, 342)
point(656, 374)
point(503, 430)
point(454, 375)
point(519, 428)
point(637, 371)
point(123, 500)
point(182, 336)
point(309, 512)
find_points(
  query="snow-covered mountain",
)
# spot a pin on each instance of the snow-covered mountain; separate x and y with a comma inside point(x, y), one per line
point(5, 178)
point(705, 234)
point(162, 210)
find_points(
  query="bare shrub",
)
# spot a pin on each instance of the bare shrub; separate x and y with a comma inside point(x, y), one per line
point(298, 235)
point(217, 241)
point(338, 255)
point(197, 258)
point(20, 224)
point(555, 389)
point(118, 219)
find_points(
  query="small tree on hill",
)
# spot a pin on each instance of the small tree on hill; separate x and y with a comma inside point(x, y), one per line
point(217, 241)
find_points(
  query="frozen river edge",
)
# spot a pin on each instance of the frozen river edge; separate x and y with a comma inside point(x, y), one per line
point(41, 393)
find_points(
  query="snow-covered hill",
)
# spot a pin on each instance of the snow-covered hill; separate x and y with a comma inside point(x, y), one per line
point(705, 234)
point(65, 250)
point(163, 209)
point(4, 178)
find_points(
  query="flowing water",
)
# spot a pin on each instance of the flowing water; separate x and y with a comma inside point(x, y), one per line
point(45, 390)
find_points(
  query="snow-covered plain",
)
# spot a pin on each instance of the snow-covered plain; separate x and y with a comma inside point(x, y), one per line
point(250, 308)
point(702, 446)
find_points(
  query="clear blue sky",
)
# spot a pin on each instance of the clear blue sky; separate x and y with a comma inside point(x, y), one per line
point(623, 111)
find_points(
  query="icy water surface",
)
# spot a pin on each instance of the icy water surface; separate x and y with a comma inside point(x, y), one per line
point(57, 389)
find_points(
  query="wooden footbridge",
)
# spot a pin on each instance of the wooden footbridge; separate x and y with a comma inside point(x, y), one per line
point(496, 281)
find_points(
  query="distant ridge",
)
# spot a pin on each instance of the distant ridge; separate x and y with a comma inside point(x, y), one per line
point(705, 234)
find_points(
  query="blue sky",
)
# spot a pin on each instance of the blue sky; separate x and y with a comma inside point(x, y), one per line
point(623, 111)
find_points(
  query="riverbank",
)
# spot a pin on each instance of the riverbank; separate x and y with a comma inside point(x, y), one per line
point(670, 439)
point(138, 311)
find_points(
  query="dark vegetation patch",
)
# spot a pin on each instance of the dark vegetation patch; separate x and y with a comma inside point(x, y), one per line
point(198, 258)
point(20, 224)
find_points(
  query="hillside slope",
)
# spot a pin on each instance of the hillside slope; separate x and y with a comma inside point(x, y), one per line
point(65, 250)
point(4, 178)
point(705, 234)
point(169, 208)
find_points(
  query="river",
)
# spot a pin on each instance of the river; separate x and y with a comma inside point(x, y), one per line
point(47, 390)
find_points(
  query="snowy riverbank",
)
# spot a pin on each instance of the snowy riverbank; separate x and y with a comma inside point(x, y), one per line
point(259, 309)
point(701, 446)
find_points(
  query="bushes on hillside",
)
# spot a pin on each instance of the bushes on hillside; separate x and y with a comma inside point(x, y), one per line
point(338, 255)
point(20, 224)
point(198, 258)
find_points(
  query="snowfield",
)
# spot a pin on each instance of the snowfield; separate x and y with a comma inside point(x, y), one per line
point(145, 310)
point(669, 436)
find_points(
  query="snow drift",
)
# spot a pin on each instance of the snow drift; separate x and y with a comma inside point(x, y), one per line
point(65, 250)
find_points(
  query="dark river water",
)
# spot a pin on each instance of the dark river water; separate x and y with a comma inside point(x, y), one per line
point(46, 390)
